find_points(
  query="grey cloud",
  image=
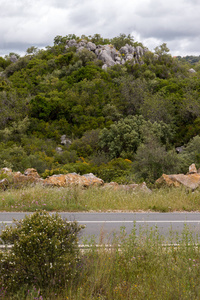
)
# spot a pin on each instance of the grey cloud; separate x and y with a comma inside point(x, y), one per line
point(27, 22)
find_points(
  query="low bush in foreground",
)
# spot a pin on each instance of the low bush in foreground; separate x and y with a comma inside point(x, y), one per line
point(138, 266)
point(44, 252)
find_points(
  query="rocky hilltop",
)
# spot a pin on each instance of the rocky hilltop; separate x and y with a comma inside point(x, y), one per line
point(108, 53)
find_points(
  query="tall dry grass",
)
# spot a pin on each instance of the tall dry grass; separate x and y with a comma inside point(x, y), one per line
point(98, 199)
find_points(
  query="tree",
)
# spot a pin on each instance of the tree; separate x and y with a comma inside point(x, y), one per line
point(190, 154)
point(124, 137)
point(162, 49)
point(32, 50)
point(122, 40)
point(152, 160)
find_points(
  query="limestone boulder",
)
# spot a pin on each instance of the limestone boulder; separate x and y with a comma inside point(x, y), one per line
point(13, 58)
point(73, 179)
point(30, 176)
point(191, 70)
point(55, 180)
point(192, 169)
point(191, 181)
point(91, 46)
point(31, 173)
point(17, 179)
point(106, 54)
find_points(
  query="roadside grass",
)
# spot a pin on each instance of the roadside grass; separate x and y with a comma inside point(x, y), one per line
point(32, 198)
point(136, 267)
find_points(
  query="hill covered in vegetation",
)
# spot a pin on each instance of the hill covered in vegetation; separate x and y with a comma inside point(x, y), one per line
point(66, 109)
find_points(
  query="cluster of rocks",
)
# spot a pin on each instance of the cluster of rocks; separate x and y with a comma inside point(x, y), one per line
point(31, 176)
point(191, 180)
point(108, 53)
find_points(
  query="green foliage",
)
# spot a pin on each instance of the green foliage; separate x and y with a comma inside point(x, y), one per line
point(13, 156)
point(53, 171)
point(98, 39)
point(122, 40)
point(32, 50)
point(16, 131)
point(88, 144)
point(86, 56)
point(190, 154)
point(12, 107)
point(162, 49)
point(57, 91)
point(124, 137)
point(152, 160)
point(44, 252)
point(4, 63)
point(20, 64)
point(117, 170)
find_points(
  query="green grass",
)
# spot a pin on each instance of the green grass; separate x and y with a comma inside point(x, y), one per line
point(98, 199)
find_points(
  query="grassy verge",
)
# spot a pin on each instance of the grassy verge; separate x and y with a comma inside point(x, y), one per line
point(98, 199)
point(137, 267)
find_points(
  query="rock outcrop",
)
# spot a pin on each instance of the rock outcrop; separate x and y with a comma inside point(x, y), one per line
point(16, 179)
point(192, 70)
point(73, 179)
point(31, 176)
point(190, 180)
point(108, 53)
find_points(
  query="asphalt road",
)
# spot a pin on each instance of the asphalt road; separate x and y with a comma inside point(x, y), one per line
point(103, 226)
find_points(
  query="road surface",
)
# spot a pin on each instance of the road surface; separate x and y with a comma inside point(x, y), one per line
point(103, 226)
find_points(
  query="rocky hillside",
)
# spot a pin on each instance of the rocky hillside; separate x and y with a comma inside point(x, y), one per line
point(92, 105)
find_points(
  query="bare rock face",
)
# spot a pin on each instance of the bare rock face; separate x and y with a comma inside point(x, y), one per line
point(31, 173)
point(91, 46)
point(108, 53)
point(65, 141)
point(18, 179)
point(192, 169)
point(191, 180)
point(191, 70)
point(13, 58)
point(73, 179)
point(29, 176)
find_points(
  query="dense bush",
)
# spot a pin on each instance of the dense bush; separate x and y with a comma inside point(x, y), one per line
point(44, 252)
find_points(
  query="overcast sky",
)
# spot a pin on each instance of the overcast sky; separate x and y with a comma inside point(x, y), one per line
point(25, 23)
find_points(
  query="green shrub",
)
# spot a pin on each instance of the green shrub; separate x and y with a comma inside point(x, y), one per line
point(54, 171)
point(117, 170)
point(44, 252)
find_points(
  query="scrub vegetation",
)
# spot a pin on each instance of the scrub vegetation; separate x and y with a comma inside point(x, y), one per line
point(46, 263)
point(122, 124)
